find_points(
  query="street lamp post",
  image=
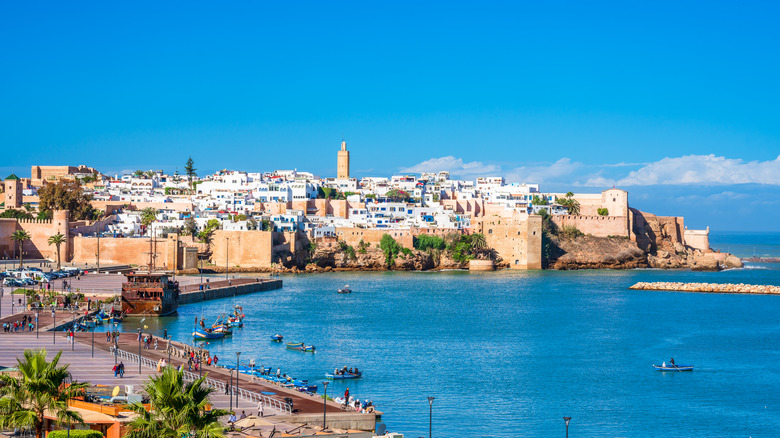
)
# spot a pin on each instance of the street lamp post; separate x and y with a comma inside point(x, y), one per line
point(200, 362)
point(37, 331)
point(116, 344)
point(139, 351)
point(227, 257)
point(236, 388)
point(567, 419)
point(93, 341)
point(325, 404)
point(230, 394)
point(430, 415)
point(54, 321)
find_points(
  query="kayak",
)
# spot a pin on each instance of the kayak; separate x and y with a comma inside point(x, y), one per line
point(668, 367)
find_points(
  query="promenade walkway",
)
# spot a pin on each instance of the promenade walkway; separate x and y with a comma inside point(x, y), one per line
point(98, 370)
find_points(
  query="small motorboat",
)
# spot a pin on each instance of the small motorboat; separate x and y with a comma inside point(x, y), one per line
point(201, 333)
point(277, 338)
point(344, 376)
point(299, 346)
point(345, 290)
point(669, 367)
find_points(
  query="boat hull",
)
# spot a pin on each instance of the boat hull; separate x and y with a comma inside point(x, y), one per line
point(346, 376)
point(675, 368)
point(199, 333)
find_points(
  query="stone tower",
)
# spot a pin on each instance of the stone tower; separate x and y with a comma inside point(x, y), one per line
point(342, 169)
point(13, 192)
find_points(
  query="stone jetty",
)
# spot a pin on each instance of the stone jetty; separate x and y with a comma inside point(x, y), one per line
point(722, 288)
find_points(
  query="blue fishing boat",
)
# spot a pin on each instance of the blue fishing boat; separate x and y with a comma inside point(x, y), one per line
point(344, 376)
point(668, 367)
point(201, 333)
point(277, 338)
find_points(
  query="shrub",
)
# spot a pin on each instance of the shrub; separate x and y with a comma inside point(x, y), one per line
point(351, 253)
point(362, 246)
point(406, 251)
point(425, 241)
point(603, 211)
point(75, 434)
point(391, 248)
point(570, 232)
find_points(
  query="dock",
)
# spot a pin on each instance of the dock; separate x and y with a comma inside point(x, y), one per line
point(193, 293)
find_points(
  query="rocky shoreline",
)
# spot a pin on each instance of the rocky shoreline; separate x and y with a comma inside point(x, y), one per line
point(730, 288)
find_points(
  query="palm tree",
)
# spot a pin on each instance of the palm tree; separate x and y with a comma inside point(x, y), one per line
point(20, 236)
point(478, 243)
point(42, 387)
point(148, 215)
point(178, 409)
point(57, 239)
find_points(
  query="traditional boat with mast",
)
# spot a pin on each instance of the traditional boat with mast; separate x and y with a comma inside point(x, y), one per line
point(150, 293)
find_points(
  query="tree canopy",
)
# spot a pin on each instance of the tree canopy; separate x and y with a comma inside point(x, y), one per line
point(66, 195)
point(42, 386)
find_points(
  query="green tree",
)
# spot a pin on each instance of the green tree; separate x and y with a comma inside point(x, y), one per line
point(190, 226)
point(571, 204)
point(603, 211)
point(251, 224)
point(397, 195)
point(211, 226)
point(20, 236)
point(139, 174)
point(66, 195)
point(41, 387)
point(10, 213)
point(179, 409)
point(57, 239)
point(478, 243)
point(391, 248)
point(425, 241)
point(189, 169)
point(148, 215)
point(536, 200)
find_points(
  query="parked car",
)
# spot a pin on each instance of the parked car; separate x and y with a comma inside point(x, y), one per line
point(12, 282)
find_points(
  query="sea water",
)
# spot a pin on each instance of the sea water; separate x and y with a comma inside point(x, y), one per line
point(509, 354)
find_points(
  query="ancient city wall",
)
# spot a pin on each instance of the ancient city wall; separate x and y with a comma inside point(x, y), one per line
point(518, 241)
point(599, 226)
point(124, 251)
point(242, 248)
point(698, 239)
point(353, 236)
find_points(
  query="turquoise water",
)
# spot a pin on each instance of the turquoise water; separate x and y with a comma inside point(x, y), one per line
point(509, 354)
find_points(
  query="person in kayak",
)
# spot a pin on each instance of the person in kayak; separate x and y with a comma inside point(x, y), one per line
point(671, 362)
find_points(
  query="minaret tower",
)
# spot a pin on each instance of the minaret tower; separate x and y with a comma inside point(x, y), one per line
point(342, 169)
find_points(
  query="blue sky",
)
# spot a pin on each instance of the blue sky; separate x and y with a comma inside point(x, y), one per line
point(676, 103)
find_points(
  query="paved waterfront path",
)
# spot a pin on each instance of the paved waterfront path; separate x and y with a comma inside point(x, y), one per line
point(95, 370)
point(305, 404)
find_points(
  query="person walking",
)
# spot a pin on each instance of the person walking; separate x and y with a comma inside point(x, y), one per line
point(260, 408)
point(121, 369)
point(155, 344)
point(346, 397)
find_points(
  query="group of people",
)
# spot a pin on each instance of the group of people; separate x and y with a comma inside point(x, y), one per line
point(19, 326)
point(161, 364)
point(119, 370)
point(345, 370)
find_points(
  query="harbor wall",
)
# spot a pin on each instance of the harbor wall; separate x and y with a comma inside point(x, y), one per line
point(354, 421)
point(228, 291)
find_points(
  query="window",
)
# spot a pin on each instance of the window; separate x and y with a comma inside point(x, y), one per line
point(490, 231)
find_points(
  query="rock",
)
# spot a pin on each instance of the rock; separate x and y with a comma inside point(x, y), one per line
point(705, 264)
point(663, 254)
point(588, 252)
point(732, 262)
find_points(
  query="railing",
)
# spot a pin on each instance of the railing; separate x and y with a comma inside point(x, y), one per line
point(216, 384)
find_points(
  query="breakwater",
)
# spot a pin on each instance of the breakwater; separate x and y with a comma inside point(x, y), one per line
point(724, 288)
point(213, 290)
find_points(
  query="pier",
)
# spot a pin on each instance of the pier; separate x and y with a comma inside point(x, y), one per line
point(193, 293)
point(722, 288)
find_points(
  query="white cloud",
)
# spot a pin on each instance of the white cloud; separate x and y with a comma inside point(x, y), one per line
point(455, 166)
point(698, 169)
point(540, 173)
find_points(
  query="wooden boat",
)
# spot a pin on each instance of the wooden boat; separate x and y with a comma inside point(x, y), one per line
point(222, 325)
point(149, 294)
point(201, 333)
point(277, 338)
point(345, 290)
point(668, 367)
point(299, 346)
point(344, 376)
